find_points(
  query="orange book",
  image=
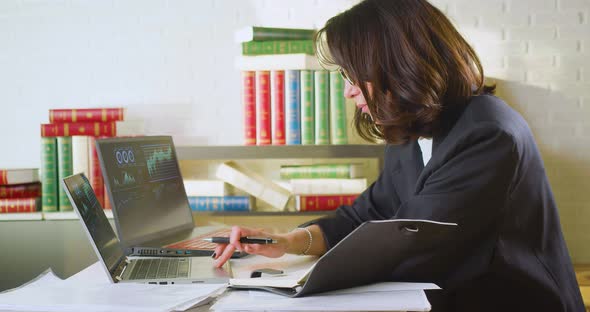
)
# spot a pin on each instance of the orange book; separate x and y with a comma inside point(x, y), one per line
point(263, 121)
point(86, 115)
point(277, 100)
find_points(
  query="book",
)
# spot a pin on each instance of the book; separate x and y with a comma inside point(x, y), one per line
point(18, 205)
point(322, 107)
point(107, 200)
point(86, 115)
point(278, 47)
point(256, 33)
point(64, 165)
point(18, 176)
point(95, 174)
point(20, 190)
point(293, 107)
point(96, 129)
point(323, 202)
point(205, 188)
point(263, 121)
point(327, 171)
point(277, 62)
point(307, 108)
point(277, 100)
point(338, 123)
point(80, 155)
point(327, 186)
point(253, 184)
point(220, 203)
point(249, 103)
point(49, 194)
point(406, 238)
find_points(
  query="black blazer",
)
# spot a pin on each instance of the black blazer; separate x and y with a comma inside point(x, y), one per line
point(487, 175)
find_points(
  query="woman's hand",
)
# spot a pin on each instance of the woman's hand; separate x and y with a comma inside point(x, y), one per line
point(223, 252)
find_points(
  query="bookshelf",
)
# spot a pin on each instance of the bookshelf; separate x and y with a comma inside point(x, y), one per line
point(281, 152)
point(200, 162)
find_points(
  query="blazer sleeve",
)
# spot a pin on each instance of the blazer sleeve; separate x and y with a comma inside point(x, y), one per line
point(378, 202)
point(471, 186)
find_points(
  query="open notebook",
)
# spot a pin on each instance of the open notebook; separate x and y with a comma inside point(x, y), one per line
point(367, 255)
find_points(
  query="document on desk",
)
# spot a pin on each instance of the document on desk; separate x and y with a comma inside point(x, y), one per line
point(375, 297)
point(86, 292)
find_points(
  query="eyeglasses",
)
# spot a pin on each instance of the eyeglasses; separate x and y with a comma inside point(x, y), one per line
point(345, 76)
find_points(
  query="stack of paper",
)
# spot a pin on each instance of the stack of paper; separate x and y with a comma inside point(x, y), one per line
point(376, 297)
point(90, 290)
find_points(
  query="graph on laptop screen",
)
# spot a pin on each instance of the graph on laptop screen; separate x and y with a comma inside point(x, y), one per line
point(147, 190)
point(96, 222)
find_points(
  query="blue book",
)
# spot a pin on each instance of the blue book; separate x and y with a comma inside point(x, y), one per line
point(293, 107)
point(219, 203)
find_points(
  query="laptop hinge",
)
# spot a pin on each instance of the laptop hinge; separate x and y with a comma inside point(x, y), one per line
point(117, 273)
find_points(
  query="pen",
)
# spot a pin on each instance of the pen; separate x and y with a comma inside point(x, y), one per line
point(243, 240)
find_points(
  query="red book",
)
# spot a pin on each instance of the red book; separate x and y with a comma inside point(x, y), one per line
point(20, 191)
point(14, 205)
point(323, 202)
point(86, 115)
point(107, 200)
point(263, 129)
point(95, 174)
point(277, 89)
point(81, 128)
point(249, 102)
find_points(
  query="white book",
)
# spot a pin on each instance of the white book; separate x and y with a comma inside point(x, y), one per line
point(80, 155)
point(205, 188)
point(19, 176)
point(278, 62)
point(328, 186)
point(130, 128)
point(253, 184)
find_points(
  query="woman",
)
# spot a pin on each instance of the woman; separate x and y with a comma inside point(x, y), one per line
point(413, 76)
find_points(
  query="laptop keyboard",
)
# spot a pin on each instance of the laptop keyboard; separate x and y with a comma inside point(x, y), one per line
point(197, 243)
point(160, 268)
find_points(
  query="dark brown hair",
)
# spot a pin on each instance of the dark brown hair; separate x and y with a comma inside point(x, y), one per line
point(418, 64)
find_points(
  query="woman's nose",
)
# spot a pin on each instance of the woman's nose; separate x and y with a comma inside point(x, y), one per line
point(350, 91)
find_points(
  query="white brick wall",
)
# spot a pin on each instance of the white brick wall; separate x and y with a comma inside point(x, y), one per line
point(170, 63)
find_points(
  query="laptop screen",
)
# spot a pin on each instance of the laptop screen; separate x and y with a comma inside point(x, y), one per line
point(84, 201)
point(146, 188)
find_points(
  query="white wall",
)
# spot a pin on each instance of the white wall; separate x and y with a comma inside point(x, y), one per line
point(171, 64)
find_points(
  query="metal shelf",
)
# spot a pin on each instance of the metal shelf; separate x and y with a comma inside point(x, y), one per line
point(280, 151)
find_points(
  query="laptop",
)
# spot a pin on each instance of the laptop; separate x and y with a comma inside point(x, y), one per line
point(150, 206)
point(118, 264)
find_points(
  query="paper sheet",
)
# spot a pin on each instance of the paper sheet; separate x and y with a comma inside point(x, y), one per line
point(402, 300)
point(86, 291)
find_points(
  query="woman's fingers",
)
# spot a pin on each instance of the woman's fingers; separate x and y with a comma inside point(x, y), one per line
point(225, 255)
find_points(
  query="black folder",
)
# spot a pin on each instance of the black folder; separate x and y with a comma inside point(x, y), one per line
point(367, 255)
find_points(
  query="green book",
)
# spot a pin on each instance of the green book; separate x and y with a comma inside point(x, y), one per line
point(338, 129)
point(49, 200)
point(327, 171)
point(253, 33)
point(307, 108)
point(65, 169)
point(322, 107)
point(278, 47)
